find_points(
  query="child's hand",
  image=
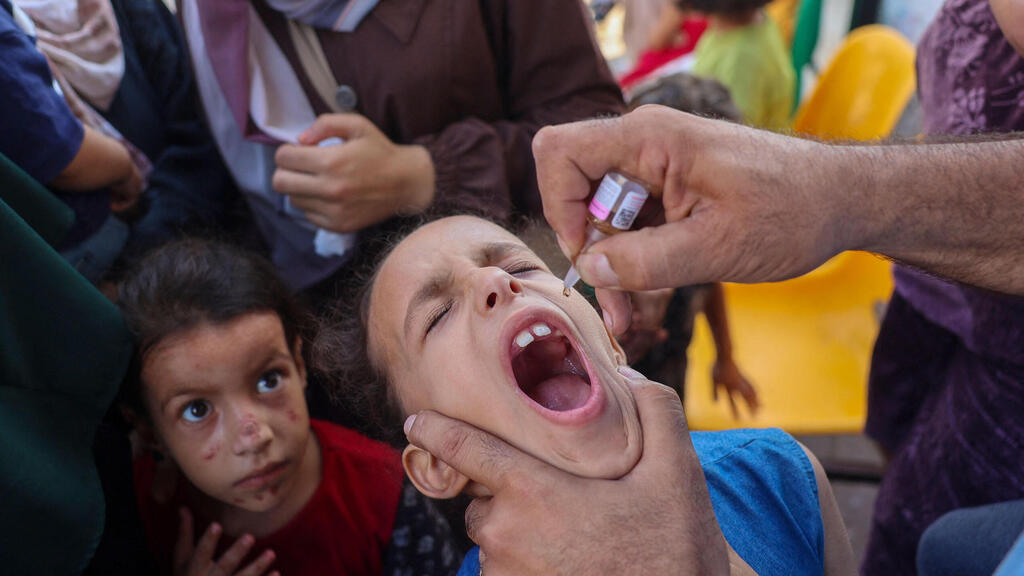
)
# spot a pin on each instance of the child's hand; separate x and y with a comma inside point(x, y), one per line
point(197, 560)
point(725, 374)
point(125, 193)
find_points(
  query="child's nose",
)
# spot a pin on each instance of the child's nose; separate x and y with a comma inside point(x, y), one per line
point(252, 436)
point(493, 287)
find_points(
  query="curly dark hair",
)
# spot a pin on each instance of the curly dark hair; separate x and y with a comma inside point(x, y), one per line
point(188, 282)
point(721, 6)
point(339, 353)
point(688, 93)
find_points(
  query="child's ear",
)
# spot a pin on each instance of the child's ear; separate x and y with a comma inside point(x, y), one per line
point(432, 477)
point(300, 362)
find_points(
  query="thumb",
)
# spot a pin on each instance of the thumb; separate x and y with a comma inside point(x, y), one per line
point(667, 443)
point(344, 126)
point(665, 256)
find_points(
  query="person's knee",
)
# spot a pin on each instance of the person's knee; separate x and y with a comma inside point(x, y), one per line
point(970, 541)
point(940, 551)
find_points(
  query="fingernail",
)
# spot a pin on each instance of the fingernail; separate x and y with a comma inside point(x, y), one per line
point(608, 320)
point(247, 540)
point(631, 373)
point(561, 245)
point(408, 423)
point(597, 270)
point(215, 528)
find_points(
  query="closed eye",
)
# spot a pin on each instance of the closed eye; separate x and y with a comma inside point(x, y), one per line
point(521, 267)
point(437, 314)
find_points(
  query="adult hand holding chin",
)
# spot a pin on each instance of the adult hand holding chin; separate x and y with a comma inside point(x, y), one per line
point(359, 183)
point(657, 519)
point(732, 211)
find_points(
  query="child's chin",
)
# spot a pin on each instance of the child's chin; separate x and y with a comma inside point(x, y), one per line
point(256, 502)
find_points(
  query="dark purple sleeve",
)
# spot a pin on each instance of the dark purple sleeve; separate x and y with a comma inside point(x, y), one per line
point(38, 132)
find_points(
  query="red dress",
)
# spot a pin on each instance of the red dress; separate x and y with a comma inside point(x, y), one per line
point(344, 529)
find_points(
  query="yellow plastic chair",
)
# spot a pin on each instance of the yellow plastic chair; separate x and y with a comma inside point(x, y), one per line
point(806, 343)
point(863, 91)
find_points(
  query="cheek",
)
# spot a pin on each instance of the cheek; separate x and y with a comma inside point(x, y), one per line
point(211, 451)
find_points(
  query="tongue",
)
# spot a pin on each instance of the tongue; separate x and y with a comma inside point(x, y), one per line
point(561, 393)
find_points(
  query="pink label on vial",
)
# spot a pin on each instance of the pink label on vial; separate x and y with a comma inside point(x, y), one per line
point(604, 199)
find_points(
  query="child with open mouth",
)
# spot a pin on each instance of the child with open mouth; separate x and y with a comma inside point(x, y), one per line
point(462, 318)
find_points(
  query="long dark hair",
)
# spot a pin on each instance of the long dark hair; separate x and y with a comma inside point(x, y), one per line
point(190, 282)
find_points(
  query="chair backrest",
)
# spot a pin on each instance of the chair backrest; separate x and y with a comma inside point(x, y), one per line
point(863, 91)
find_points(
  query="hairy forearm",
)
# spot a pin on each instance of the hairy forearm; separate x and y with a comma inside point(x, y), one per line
point(101, 161)
point(953, 209)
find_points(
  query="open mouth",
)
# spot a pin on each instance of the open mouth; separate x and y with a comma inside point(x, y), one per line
point(549, 369)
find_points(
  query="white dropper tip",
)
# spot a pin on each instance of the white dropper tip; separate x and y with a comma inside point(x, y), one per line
point(571, 278)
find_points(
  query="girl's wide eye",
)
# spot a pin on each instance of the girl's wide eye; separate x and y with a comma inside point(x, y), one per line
point(269, 382)
point(196, 410)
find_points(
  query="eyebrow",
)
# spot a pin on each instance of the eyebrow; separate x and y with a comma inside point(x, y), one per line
point(442, 281)
point(200, 390)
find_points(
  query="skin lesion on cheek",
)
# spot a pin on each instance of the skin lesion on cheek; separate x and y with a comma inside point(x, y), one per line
point(211, 452)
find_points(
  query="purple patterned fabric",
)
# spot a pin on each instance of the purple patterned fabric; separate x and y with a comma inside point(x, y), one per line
point(946, 392)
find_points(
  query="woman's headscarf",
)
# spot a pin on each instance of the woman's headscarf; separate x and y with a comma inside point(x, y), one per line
point(82, 41)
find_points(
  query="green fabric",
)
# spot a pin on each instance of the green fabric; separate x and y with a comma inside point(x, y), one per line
point(805, 40)
point(64, 350)
point(752, 63)
point(43, 211)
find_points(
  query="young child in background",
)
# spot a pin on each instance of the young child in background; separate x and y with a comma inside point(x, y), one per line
point(217, 391)
point(743, 49)
point(663, 319)
point(462, 318)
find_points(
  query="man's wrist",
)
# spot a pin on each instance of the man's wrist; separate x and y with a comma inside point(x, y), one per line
point(420, 180)
point(851, 195)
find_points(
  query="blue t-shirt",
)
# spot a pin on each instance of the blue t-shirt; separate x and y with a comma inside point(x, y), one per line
point(38, 132)
point(765, 497)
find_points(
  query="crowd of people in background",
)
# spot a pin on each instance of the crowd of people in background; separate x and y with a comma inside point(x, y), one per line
point(239, 178)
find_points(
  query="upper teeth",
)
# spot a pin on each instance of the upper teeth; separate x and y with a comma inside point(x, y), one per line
point(524, 338)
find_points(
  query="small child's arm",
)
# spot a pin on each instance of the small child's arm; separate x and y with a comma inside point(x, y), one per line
point(839, 560)
point(726, 373)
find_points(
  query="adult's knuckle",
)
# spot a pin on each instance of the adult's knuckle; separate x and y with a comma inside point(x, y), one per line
point(453, 443)
point(544, 140)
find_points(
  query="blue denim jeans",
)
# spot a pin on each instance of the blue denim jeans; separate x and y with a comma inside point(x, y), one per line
point(970, 541)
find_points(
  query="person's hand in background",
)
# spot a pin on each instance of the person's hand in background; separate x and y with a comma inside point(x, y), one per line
point(647, 324)
point(363, 181)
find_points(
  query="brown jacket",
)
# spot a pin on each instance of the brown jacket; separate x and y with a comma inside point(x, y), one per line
point(473, 81)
